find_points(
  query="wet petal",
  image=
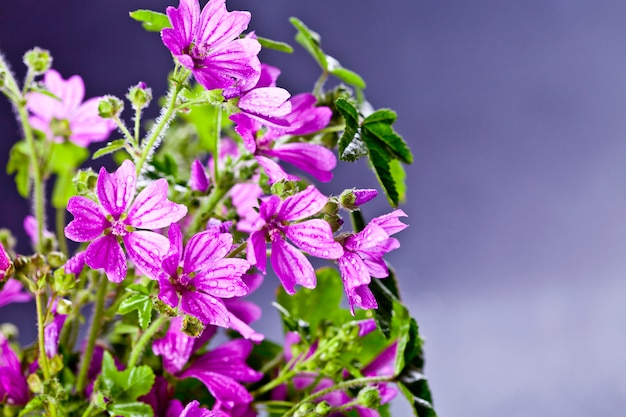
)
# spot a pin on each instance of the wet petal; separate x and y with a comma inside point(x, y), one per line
point(205, 248)
point(291, 266)
point(175, 348)
point(88, 223)
point(207, 309)
point(115, 190)
point(146, 250)
point(316, 160)
point(302, 205)
point(199, 180)
point(174, 254)
point(353, 271)
point(106, 253)
point(273, 170)
point(315, 237)
point(391, 222)
point(223, 279)
point(257, 250)
point(152, 210)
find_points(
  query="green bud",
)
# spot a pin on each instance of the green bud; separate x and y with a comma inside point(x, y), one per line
point(22, 264)
point(63, 282)
point(335, 222)
point(38, 60)
point(9, 330)
point(56, 364)
point(110, 107)
point(306, 409)
point(284, 188)
point(192, 326)
point(323, 409)
point(60, 127)
point(85, 181)
point(64, 306)
point(38, 260)
point(332, 207)
point(369, 397)
point(34, 383)
point(163, 308)
point(54, 389)
point(139, 96)
point(56, 259)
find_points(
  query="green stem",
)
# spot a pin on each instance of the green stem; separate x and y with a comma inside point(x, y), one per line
point(140, 346)
point(43, 358)
point(137, 125)
point(88, 410)
point(94, 332)
point(122, 127)
point(207, 206)
point(340, 386)
point(60, 229)
point(166, 115)
point(216, 153)
point(237, 250)
point(319, 84)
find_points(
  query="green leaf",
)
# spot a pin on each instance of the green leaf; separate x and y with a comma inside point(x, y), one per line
point(351, 148)
point(310, 40)
point(399, 178)
point(127, 385)
point(19, 163)
point(379, 125)
point(66, 157)
point(150, 20)
point(344, 74)
point(111, 147)
point(380, 161)
point(130, 409)
point(275, 45)
point(35, 404)
point(416, 392)
point(384, 312)
point(140, 302)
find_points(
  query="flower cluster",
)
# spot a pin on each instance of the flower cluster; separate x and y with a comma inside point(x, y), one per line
point(169, 246)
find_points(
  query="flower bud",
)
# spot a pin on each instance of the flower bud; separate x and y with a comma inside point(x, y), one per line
point(323, 409)
point(284, 188)
point(139, 96)
point(191, 326)
point(369, 397)
point(306, 409)
point(56, 364)
point(85, 181)
point(56, 259)
point(34, 383)
point(38, 60)
point(63, 282)
point(352, 199)
point(110, 107)
point(64, 306)
point(163, 308)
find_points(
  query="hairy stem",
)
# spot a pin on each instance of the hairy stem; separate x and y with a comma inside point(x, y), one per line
point(94, 332)
point(60, 229)
point(140, 346)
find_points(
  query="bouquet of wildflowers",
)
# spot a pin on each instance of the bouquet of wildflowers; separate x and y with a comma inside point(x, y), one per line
point(141, 293)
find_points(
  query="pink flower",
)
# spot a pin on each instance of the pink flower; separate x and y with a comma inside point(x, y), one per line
point(193, 410)
point(208, 43)
point(363, 257)
point(5, 264)
point(13, 386)
point(69, 118)
point(199, 277)
point(282, 219)
point(116, 220)
point(12, 292)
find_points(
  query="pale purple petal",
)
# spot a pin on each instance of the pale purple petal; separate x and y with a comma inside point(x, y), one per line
point(75, 264)
point(199, 180)
point(305, 118)
point(247, 311)
point(204, 248)
point(175, 348)
point(175, 253)
point(361, 297)
point(226, 390)
point(370, 237)
point(193, 410)
point(146, 250)
point(274, 171)
point(115, 190)
point(302, 205)
point(87, 126)
point(266, 101)
point(229, 359)
point(207, 309)
point(51, 334)
point(353, 271)
point(256, 250)
point(228, 62)
point(314, 159)
point(216, 25)
point(390, 222)
point(184, 20)
point(314, 237)
point(12, 292)
point(106, 253)
point(246, 128)
point(291, 266)
point(167, 291)
point(244, 330)
point(223, 278)
point(88, 223)
point(152, 210)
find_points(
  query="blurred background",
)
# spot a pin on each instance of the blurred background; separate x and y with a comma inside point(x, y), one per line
point(515, 110)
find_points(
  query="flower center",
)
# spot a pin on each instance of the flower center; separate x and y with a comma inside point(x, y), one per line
point(119, 228)
point(60, 127)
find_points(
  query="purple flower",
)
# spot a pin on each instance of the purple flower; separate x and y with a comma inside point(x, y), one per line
point(75, 264)
point(5, 263)
point(116, 220)
point(282, 219)
point(30, 227)
point(220, 370)
point(193, 410)
point(199, 277)
point(208, 43)
point(363, 257)
point(12, 293)
point(305, 118)
point(13, 386)
point(243, 312)
point(69, 118)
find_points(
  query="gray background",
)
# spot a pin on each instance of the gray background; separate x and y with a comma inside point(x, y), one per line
point(516, 114)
